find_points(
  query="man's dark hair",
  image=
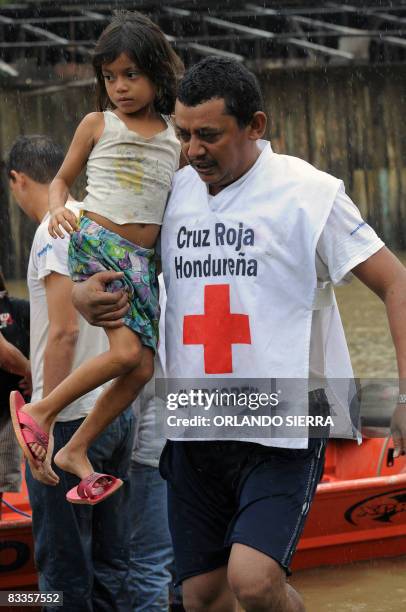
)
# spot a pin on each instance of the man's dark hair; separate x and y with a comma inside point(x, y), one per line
point(37, 156)
point(219, 77)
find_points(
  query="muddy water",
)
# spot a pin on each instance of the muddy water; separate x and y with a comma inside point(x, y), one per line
point(377, 586)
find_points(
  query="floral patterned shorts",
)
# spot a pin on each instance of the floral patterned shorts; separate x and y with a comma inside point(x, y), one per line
point(93, 248)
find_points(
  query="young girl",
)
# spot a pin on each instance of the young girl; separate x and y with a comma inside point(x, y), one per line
point(131, 153)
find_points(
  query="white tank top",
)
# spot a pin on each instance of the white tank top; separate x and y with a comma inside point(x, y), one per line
point(129, 176)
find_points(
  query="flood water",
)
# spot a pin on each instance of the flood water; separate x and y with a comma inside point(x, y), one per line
point(376, 586)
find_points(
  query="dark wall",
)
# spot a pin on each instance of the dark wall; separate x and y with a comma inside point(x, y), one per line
point(54, 111)
point(348, 121)
point(351, 124)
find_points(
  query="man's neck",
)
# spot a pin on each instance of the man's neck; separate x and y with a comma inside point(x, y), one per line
point(39, 200)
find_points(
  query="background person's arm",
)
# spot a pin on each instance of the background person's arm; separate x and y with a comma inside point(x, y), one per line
point(12, 360)
point(63, 331)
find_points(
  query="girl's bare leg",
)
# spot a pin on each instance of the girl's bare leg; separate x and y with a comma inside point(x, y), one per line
point(116, 398)
point(124, 356)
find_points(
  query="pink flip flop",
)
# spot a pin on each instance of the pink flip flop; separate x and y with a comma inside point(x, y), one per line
point(88, 492)
point(26, 428)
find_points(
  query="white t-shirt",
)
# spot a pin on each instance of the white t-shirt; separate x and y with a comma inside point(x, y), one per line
point(51, 255)
point(345, 242)
point(148, 408)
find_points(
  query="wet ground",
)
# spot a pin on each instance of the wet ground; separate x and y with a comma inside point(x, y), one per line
point(376, 586)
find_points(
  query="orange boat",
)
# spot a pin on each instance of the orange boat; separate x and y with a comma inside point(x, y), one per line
point(359, 513)
point(360, 507)
point(17, 570)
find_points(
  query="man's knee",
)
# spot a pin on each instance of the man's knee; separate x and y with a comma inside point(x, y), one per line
point(199, 598)
point(268, 594)
point(207, 591)
point(255, 595)
point(259, 582)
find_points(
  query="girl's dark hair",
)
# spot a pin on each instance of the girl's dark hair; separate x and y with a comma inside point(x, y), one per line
point(144, 42)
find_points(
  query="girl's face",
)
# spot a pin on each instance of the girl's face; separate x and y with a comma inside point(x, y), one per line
point(128, 89)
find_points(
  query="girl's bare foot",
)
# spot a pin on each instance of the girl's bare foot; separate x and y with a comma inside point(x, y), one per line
point(36, 412)
point(33, 432)
point(74, 462)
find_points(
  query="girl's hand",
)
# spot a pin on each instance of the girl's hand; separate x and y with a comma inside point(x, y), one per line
point(62, 217)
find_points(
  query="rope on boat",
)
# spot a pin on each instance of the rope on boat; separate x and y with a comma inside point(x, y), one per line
point(11, 507)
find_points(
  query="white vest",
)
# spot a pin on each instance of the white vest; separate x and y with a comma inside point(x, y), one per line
point(240, 274)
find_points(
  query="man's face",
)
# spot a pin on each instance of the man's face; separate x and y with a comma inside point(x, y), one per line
point(217, 148)
point(17, 188)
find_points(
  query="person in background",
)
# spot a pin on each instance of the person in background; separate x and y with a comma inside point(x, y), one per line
point(80, 550)
point(15, 373)
point(151, 547)
point(152, 561)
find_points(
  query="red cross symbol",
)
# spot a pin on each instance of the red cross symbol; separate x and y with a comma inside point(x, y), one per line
point(217, 329)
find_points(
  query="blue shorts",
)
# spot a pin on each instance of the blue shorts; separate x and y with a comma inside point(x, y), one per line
point(226, 492)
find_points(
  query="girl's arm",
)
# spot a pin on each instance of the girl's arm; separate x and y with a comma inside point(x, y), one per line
point(87, 134)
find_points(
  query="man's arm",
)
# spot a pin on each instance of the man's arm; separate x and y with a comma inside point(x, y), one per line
point(98, 306)
point(63, 331)
point(12, 359)
point(384, 274)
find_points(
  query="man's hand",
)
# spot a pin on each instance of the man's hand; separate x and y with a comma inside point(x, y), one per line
point(398, 429)
point(62, 217)
point(98, 306)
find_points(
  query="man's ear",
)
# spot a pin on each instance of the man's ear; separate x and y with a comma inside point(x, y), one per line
point(257, 125)
point(18, 178)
